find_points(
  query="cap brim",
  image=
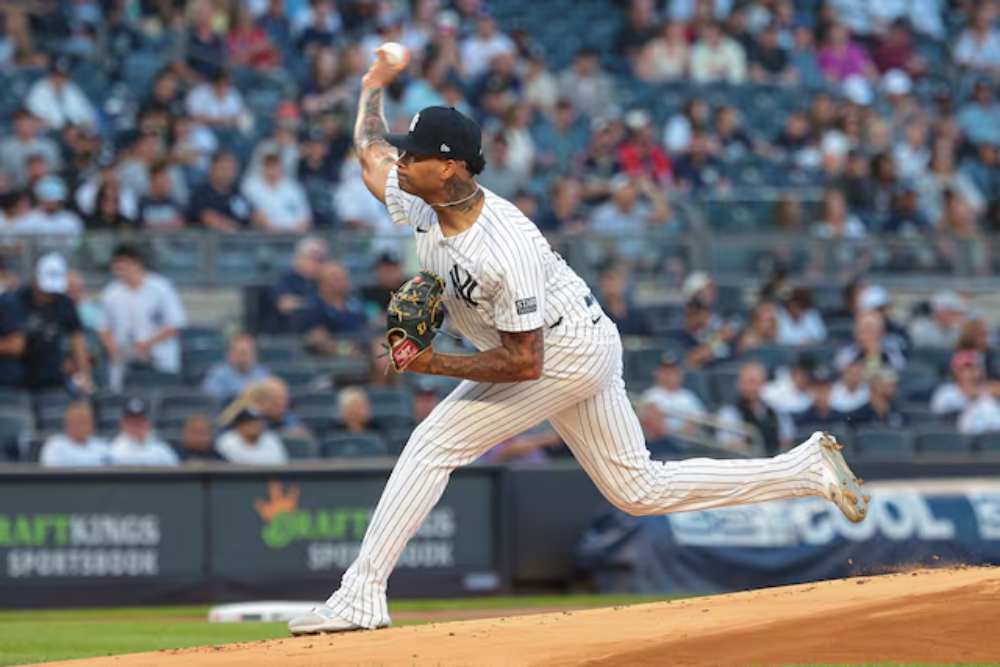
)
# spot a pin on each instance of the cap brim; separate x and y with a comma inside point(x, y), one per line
point(405, 142)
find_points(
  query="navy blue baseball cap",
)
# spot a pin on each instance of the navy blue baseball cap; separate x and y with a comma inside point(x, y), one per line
point(443, 132)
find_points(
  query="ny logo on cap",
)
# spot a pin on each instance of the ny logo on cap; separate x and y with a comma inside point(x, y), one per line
point(413, 123)
point(445, 148)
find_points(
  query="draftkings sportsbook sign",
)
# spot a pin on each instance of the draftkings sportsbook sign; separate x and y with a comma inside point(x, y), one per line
point(95, 529)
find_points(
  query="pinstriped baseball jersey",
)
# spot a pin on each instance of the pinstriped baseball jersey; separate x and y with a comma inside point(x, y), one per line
point(501, 273)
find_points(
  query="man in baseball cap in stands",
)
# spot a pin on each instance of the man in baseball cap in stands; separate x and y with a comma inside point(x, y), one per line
point(136, 444)
point(45, 317)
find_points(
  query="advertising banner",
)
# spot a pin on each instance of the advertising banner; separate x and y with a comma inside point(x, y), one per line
point(793, 541)
point(91, 530)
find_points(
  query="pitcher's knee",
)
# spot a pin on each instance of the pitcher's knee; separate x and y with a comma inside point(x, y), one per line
point(639, 499)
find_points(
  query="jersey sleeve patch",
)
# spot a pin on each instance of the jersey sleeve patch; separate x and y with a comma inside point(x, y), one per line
point(526, 306)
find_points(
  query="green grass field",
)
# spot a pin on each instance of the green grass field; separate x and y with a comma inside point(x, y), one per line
point(38, 636)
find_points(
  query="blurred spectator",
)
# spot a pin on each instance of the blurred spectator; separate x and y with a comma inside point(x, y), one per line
point(640, 27)
point(158, 211)
point(905, 216)
point(871, 346)
point(77, 445)
point(586, 83)
point(357, 208)
point(272, 399)
point(803, 58)
point(694, 117)
point(881, 408)
point(565, 212)
point(191, 148)
point(750, 409)
point(216, 103)
point(821, 412)
point(51, 218)
point(318, 26)
point(851, 391)
point(639, 155)
point(27, 139)
point(145, 152)
point(104, 200)
point(88, 308)
point(499, 175)
point(225, 380)
point(333, 312)
point(799, 322)
point(517, 135)
point(983, 170)
point(319, 166)
point(283, 141)
point(769, 62)
point(296, 289)
point(895, 50)
point(877, 298)
point(57, 101)
point(838, 223)
point(47, 320)
point(143, 316)
point(526, 448)
point(197, 443)
point(979, 118)
point(978, 47)
point(789, 393)
point(944, 326)
point(672, 399)
point(561, 139)
point(762, 329)
point(704, 338)
point(841, 58)
point(166, 95)
point(354, 411)
point(388, 278)
point(636, 205)
point(540, 88)
point(665, 57)
point(247, 44)
point(697, 169)
point(248, 441)
point(616, 302)
point(216, 204)
point(278, 202)
point(136, 444)
point(328, 87)
point(483, 45)
point(942, 178)
point(912, 155)
point(600, 162)
point(717, 57)
point(204, 49)
point(968, 377)
point(732, 141)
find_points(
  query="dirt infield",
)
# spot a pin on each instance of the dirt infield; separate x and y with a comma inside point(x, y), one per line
point(927, 616)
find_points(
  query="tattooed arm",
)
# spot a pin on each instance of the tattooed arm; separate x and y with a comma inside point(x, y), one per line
point(376, 155)
point(520, 356)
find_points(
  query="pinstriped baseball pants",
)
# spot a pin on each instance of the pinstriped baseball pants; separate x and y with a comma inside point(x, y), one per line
point(583, 395)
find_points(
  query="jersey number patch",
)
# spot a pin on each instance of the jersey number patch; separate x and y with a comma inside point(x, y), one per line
point(463, 286)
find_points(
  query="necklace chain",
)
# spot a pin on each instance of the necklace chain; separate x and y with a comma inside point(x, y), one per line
point(458, 201)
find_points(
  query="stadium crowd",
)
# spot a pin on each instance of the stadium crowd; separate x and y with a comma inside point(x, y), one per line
point(867, 121)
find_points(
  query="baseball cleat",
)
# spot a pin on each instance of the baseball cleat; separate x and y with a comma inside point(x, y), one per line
point(842, 487)
point(320, 619)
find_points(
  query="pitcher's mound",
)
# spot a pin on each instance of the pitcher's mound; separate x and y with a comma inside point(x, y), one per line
point(927, 616)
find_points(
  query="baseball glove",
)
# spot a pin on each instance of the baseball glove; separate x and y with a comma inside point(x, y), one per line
point(413, 317)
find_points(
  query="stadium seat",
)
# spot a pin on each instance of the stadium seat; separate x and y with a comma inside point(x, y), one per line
point(300, 448)
point(14, 432)
point(698, 382)
point(723, 383)
point(390, 402)
point(938, 358)
point(172, 407)
point(772, 356)
point(987, 444)
point(354, 446)
point(202, 338)
point(942, 441)
point(639, 367)
point(917, 382)
point(884, 443)
point(844, 433)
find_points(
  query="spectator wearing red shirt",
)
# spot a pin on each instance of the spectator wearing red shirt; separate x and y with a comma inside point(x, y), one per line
point(895, 50)
point(639, 154)
point(247, 44)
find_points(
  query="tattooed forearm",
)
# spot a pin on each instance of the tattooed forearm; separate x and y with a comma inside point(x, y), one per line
point(370, 127)
point(519, 358)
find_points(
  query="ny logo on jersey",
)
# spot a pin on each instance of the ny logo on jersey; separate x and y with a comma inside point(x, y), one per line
point(463, 286)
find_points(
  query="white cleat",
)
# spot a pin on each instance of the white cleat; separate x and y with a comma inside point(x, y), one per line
point(842, 487)
point(320, 619)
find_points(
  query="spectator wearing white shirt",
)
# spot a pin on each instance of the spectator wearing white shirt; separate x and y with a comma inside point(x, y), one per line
point(968, 375)
point(979, 46)
point(789, 394)
point(51, 218)
point(278, 202)
point(136, 444)
point(799, 323)
point(143, 316)
point(587, 84)
point(356, 207)
point(716, 57)
point(23, 143)
point(479, 49)
point(76, 445)
point(671, 399)
point(944, 327)
point(851, 391)
point(248, 441)
point(217, 103)
point(981, 416)
point(58, 101)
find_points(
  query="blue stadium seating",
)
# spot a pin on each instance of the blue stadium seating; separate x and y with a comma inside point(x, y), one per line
point(884, 443)
point(354, 446)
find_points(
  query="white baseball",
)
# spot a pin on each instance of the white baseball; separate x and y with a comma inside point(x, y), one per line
point(396, 54)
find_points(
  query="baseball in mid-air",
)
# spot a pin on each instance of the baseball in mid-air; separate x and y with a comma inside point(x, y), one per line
point(396, 54)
